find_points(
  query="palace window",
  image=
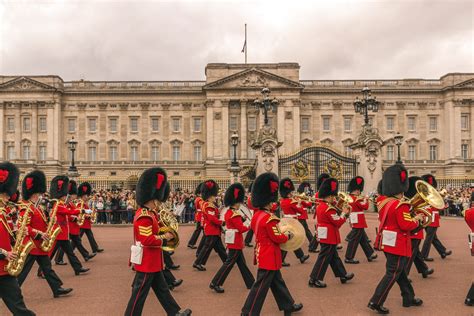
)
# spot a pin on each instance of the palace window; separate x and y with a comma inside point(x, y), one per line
point(465, 122)
point(347, 124)
point(197, 124)
point(433, 123)
point(433, 152)
point(26, 124)
point(11, 124)
point(26, 150)
point(134, 152)
point(92, 155)
point(197, 153)
point(113, 124)
point(176, 124)
point(326, 124)
point(10, 152)
point(71, 125)
point(176, 152)
point(155, 124)
point(411, 152)
point(252, 123)
point(305, 124)
point(92, 125)
point(464, 151)
point(42, 124)
point(134, 124)
point(42, 152)
point(390, 151)
point(113, 152)
point(155, 152)
point(411, 123)
point(390, 123)
point(233, 123)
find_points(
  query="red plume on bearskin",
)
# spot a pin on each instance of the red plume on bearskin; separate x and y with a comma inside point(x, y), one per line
point(85, 188)
point(286, 187)
point(330, 187)
point(430, 179)
point(29, 183)
point(210, 188)
point(9, 177)
point(394, 180)
point(59, 187)
point(356, 183)
point(234, 194)
point(33, 182)
point(265, 189)
point(148, 183)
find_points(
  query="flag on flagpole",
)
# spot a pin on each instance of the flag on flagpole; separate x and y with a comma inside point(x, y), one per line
point(244, 48)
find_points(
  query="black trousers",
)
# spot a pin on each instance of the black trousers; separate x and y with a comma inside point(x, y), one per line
point(45, 265)
point(234, 256)
point(357, 237)
point(267, 279)
point(470, 294)
point(432, 238)
point(91, 238)
point(298, 253)
point(66, 247)
point(394, 272)
point(76, 243)
point(201, 245)
point(10, 293)
point(195, 235)
point(328, 256)
point(416, 258)
point(249, 237)
point(212, 242)
point(169, 277)
point(314, 243)
point(309, 236)
point(167, 259)
point(141, 286)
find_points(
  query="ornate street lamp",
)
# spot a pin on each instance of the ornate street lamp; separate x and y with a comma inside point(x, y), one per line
point(398, 141)
point(266, 104)
point(234, 141)
point(72, 147)
point(368, 103)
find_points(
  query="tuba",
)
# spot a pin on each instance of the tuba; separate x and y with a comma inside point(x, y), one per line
point(51, 231)
point(425, 197)
point(171, 225)
point(14, 267)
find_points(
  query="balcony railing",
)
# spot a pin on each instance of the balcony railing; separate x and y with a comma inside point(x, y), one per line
point(369, 83)
point(135, 85)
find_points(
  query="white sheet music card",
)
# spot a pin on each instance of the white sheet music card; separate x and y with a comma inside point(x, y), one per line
point(137, 253)
point(322, 232)
point(389, 238)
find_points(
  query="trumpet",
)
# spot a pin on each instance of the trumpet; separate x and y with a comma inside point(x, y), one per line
point(425, 197)
point(302, 197)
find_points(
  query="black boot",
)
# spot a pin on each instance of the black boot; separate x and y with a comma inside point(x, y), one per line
point(378, 308)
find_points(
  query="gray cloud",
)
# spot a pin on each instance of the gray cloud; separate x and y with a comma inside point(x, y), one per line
point(174, 40)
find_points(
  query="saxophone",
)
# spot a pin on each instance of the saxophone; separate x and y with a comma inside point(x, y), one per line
point(51, 231)
point(170, 225)
point(94, 214)
point(15, 266)
point(81, 218)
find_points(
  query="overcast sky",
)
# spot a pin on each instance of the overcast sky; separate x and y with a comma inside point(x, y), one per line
point(174, 40)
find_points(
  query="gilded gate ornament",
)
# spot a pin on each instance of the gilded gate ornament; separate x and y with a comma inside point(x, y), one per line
point(300, 171)
point(334, 169)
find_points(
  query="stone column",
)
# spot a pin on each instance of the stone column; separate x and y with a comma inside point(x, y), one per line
point(57, 139)
point(295, 144)
point(34, 131)
point(3, 155)
point(210, 130)
point(225, 129)
point(243, 128)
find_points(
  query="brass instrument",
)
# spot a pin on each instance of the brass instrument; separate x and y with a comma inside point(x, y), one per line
point(81, 218)
point(294, 226)
point(14, 267)
point(426, 196)
point(51, 231)
point(343, 200)
point(94, 214)
point(302, 197)
point(171, 225)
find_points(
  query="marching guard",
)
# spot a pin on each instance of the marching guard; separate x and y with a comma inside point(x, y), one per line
point(234, 221)
point(84, 192)
point(267, 250)
point(10, 291)
point(212, 226)
point(32, 188)
point(197, 218)
point(396, 224)
point(305, 188)
point(148, 260)
point(469, 218)
point(431, 231)
point(313, 245)
point(291, 208)
point(330, 219)
point(249, 235)
point(358, 235)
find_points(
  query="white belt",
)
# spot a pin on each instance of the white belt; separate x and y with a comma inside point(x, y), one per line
point(357, 213)
point(290, 215)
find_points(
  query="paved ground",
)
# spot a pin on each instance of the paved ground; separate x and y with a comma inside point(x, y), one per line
point(106, 289)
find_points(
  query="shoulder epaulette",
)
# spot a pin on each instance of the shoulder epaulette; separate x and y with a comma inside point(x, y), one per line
point(402, 202)
point(381, 204)
point(330, 207)
point(144, 213)
point(235, 214)
point(273, 218)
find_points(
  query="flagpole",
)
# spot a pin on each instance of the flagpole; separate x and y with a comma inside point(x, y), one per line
point(245, 42)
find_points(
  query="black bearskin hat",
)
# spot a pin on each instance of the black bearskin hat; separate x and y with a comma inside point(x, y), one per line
point(395, 180)
point(84, 188)
point(151, 185)
point(356, 183)
point(321, 178)
point(197, 190)
point(15, 197)
point(430, 179)
point(33, 182)
point(379, 188)
point(166, 193)
point(329, 187)
point(9, 178)
point(72, 187)
point(234, 194)
point(59, 187)
point(302, 187)
point(286, 187)
point(265, 189)
point(411, 192)
point(209, 188)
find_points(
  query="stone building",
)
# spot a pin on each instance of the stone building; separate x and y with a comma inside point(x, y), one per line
point(185, 126)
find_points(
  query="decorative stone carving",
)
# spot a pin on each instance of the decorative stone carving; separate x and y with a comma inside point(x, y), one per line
point(288, 115)
point(371, 154)
point(217, 115)
point(266, 145)
point(253, 80)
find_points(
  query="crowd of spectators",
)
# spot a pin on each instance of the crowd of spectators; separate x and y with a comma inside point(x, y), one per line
point(457, 200)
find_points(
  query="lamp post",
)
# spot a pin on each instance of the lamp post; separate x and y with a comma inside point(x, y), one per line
point(72, 147)
point(234, 165)
point(266, 104)
point(398, 141)
point(366, 104)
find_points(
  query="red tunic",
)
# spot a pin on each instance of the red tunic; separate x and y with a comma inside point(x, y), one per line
point(197, 206)
point(316, 196)
point(5, 235)
point(379, 200)
point(145, 230)
point(469, 218)
point(37, 224)
point(212, 223)
point(400, 221)
point(268, 239)
point(74, 228)
point(234, 220)
point(291, 209)
point(358, 208)
point(434, 217)
point(328, 222)
point(87, 222)
point(62, 221)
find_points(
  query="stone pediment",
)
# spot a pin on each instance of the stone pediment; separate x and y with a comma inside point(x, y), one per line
point(25, 84)
point(253, 78)
point(466, 84)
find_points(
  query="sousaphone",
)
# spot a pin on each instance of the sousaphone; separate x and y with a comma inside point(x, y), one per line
point(294, 226)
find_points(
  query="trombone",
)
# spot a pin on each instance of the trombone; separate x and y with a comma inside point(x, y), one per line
point(302, 197)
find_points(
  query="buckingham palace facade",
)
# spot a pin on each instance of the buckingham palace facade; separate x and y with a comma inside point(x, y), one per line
point(123, 127)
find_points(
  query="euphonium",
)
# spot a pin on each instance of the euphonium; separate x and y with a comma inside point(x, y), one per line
point(171, 225)
point(343, 200)
point(51, 230)
point(22, 250)
point(426, 196)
